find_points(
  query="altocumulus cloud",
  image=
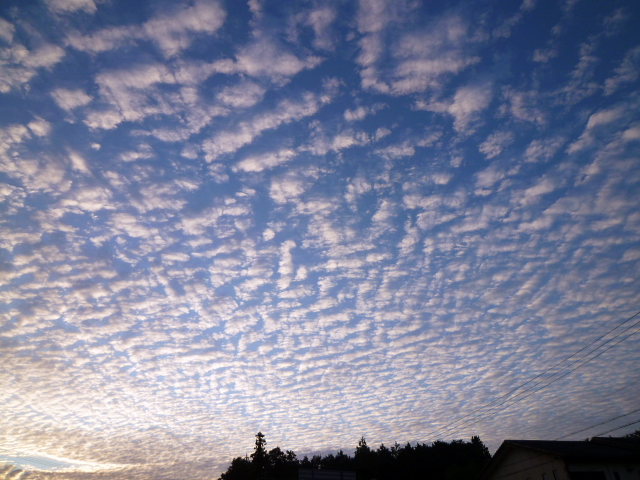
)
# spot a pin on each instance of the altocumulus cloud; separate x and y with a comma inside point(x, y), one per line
point(319, 220)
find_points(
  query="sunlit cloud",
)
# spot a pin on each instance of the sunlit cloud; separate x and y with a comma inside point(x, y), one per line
point(321, 221)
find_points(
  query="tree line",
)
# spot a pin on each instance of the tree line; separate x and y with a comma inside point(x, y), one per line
point(455, 460)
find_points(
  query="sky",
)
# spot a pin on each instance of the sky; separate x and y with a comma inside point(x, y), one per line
point(321, 219)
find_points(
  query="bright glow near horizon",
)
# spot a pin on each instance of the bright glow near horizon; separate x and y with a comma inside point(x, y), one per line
point(318, 219)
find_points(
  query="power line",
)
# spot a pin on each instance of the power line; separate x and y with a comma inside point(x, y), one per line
point(617, 428)
point(601, 423)
point(446, 429)
point(495, 409)
point(609, 394)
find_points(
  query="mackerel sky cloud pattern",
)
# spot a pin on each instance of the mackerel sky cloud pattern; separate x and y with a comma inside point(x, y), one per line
point(318, 219)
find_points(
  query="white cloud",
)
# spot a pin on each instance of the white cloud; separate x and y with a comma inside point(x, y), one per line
point(265, 58)
point(18, 65)
point(172, 31)
point(603, 117)
point(466, 104)
point(243, 95)
point(319, 19)
point(426, 58)
point(397, 151)
point(215, 299)
point(631, 255)
point(496, 143)
point(488, 177)
point(627, 72)
point(356, 114)
point(69, 6)
point(131, 95)
point(544, 186)
point(257, 163)
point(70, 99)
point(43, 57)
point(381, 132)
point(39, 127)
point(523, 105)
point(543, 55)
point(6, 30)
point(78, 162)
point(287, 188)
point(504, 30)
point(421, 59)
point(287, 111)
point(542, 150)
point(631, 134)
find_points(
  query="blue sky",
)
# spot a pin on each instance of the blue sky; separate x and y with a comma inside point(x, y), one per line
point(318, 219)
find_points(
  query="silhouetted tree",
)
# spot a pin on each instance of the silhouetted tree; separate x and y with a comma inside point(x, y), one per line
point(456, 460)
point(364, 460)
point(282, 465)
point(259, 457)
point(240, 469)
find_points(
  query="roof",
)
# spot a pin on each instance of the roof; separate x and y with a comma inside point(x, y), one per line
point(598, 449)
point(632, 443)
point(578, 450)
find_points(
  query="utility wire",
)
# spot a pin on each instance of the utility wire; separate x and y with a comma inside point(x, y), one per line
point(609, 394)
point(515, 400)
point(601, 423)
point(452, 424)
point(618, 428)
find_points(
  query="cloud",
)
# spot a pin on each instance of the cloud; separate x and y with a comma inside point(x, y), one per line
point(258, 163)
point(627, 72)
point(488, 177)
point(287, 188)
point(319, 19)
point(69, 6)
point(496, 143)
point(544, 186)
point(265, 59)
point(287, 111)
point(419, 74)
point(603, 117)
point(130, 95)
point(467, 102)
point(397, 151)
point(542, 150)
point(78, 162)
point(523, 105)
point(544, 55)
point(505, 29)
point(243, 95)
point(422, 59)
point(253, 249)
point(70, 99)
point(356, 114)
point(372, 20)
point(6, 30)
point(39, 127)
point(18, 65)
point(172, 31)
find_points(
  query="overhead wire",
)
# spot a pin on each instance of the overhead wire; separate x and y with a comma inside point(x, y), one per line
point(601, 423)
point(609, 394)
point(493, 406)
point(515, 399)
point(495, 409)
point(617, 428)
